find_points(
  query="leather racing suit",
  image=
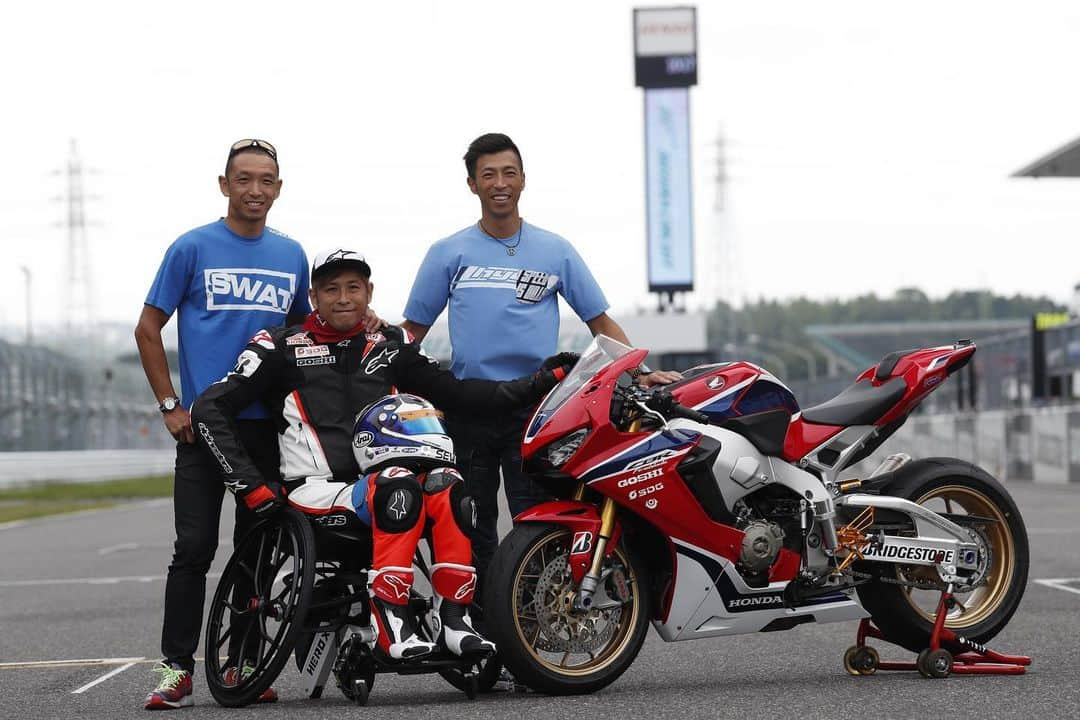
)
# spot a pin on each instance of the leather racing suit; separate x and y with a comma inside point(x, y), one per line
point(312, 391)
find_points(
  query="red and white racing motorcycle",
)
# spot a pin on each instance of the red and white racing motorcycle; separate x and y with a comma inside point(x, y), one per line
point(713, 507)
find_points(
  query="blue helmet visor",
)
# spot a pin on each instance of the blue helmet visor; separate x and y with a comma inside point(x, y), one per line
point(420, 422)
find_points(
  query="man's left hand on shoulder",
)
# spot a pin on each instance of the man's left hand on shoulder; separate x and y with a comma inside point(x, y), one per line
point(373, 322)
point(658, 377)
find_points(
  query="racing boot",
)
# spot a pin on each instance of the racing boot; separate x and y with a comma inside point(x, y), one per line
point(454, 586)
point(392, 619)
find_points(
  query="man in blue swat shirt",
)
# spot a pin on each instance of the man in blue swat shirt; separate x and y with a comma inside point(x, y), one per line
point(226, 281)
point(501, 277)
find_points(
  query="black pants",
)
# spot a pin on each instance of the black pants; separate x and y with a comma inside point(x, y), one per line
point(197, 494)
point(483, 449)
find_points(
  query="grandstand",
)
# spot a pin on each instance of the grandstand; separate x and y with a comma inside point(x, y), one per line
point(860, 345)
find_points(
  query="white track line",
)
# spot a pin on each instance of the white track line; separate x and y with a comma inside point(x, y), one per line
point(223, 542)
point(68, 663)
point(1060, 584)
point(117, 548)
point(89, 581)
point(103, 678)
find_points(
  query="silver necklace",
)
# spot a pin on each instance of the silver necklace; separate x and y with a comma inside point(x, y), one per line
point(510, 249)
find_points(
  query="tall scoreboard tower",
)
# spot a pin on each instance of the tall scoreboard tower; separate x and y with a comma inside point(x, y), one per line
point(665, 65)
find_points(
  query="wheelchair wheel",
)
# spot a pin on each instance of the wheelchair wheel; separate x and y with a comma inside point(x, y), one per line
point(259, 608)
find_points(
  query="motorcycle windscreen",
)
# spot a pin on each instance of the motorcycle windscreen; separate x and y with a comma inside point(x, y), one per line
point(600, 353)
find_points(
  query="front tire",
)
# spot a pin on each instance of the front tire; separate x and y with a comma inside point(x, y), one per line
point(541, 640)
point(905, 615)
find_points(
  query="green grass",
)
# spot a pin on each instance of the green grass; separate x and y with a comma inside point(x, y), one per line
point(54, 498)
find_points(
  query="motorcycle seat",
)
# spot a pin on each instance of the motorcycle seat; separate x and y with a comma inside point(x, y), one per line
point(858, 404)
point(888, 363)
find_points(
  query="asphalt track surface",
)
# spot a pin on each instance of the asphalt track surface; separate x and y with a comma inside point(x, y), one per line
point(80, 614)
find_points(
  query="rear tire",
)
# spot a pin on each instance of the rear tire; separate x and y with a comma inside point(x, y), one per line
point(905, 615)
point(526, 603)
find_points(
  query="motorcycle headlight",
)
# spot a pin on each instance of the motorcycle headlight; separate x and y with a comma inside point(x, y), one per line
point(558, 452)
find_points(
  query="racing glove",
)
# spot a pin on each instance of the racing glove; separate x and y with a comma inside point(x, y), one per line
point(564, 358)
point(263, 499)
point(544, 380)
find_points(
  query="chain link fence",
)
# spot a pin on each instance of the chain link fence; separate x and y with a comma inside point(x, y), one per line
point(51, 401)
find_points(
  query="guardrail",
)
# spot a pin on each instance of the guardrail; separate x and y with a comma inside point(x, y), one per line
point(30, 468)
point(1040, 445)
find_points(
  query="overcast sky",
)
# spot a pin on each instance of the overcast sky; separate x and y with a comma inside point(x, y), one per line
point(868, 145)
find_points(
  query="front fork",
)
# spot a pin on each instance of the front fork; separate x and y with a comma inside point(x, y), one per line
point(584, 599)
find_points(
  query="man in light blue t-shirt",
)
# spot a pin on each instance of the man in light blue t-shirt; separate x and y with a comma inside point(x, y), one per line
point(226, 281)
point(501, 278)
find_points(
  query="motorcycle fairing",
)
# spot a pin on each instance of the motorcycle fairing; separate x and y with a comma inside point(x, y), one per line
point(653, 449)
point(581, 518)
point(729, 606)
point(769, 469)
point(803, 437)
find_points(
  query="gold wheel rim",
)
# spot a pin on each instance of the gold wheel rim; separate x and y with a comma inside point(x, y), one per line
point(978, 604)
point(529, 637)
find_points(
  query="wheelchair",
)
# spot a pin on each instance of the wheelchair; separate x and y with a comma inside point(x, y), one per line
point(297, 585)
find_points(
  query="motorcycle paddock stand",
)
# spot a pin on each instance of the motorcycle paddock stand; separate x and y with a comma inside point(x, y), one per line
point(934, 661)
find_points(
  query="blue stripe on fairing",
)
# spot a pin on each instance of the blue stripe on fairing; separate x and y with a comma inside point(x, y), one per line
point(537, 423)
point(670, 439)
point(359, 499)
point(720, 409)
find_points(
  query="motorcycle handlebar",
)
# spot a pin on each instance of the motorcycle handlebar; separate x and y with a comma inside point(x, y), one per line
point(690, 414)
point(665, 404)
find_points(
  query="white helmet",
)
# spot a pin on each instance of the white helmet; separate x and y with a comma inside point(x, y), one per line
point(401, 430)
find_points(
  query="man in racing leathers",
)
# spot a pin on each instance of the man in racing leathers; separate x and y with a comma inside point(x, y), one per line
point(314, 378)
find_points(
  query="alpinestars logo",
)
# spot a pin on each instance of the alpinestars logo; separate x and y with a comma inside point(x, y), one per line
point(466, 589)
point(383, 359)
point(399, 504)
point(399, 587)
point(249, 289)
point(343, 255)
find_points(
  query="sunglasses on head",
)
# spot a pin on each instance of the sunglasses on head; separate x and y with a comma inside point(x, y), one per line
point(241, 145)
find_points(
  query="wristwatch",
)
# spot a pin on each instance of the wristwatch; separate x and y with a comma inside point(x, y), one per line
point(640, 370)
point(168, 404)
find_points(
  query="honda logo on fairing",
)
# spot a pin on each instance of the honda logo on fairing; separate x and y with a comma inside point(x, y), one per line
point(754, 601)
